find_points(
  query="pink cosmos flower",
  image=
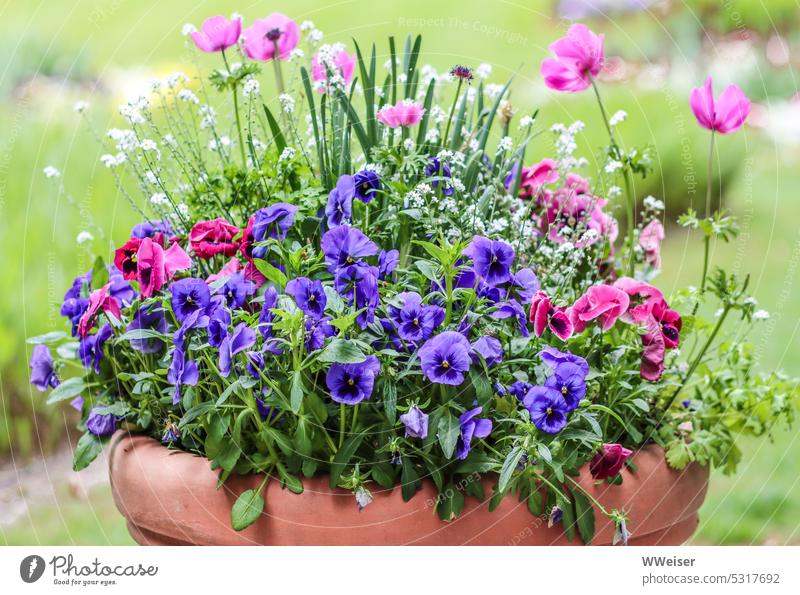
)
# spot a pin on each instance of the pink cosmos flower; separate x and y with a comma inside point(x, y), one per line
point(724, 115)
point(99, 299)
point(155, 265)
point(209, 238)
point(578, 55)
point(217, 34)
point(600, 301)
point(544, 314)
point(340, 63)
point(231, 267)
point(265, 35)
point(535, 176)
point(405, 113)
point(650, 241)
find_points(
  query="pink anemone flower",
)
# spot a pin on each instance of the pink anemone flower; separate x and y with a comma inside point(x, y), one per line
point(650, 240)
point(725, 114)
point(217, 34)
point(405, 113)
point(578, 56)
point(264, 36)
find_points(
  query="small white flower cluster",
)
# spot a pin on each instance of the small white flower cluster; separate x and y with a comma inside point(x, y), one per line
point(653, 204)
point(175, 79)
point(113, 160)
point(525, 121)
point(565, 144)
point(187, 96)
point(409, 145)
point(612, 166)
point(216, 145)
point(287, 103)
point(326, 57)
point(313, 34)
point(188, 29)
point(432, 135)
point(251, 87)
point(84, 237)
point(131, 114)
point(760, 315)
point(159, 199)
point(81, 106)
point(506, 144)
point(296, 54)
point(483, 71)
point(438, 115)
point(51, 172)
point(617, 118)
point(415, 199)
point(493, 90)
point(287, 154)
point(209, 116)
point(614, 191)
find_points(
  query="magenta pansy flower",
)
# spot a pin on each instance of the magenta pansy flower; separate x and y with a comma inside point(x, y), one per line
point(231, 267)
point(545, 315)
point(725, 114)
point(209, 238)
point(265, 36)
point(578, 56)
point(605, 302)
point(217, 34)
point(99, 299)
point(155, 265)
point(650, 240)
point(405, 113)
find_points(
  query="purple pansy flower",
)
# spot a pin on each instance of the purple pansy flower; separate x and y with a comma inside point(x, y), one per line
point(445, 358)
point(237, 290)
point(570, 381)
point(491, 259)
point(317, 330)
point(189, 296)
point(101, 424)
point(490, 349)
point(309, 295)
point(367, 184)
point(255, 362)
point(152, 318)
point(90, 349)
point(521, 389)
point(414, 321)
point(344, 246)
point(43, 376)
point(439, 169)
point(352, 383)
point(548, 409)
point(218, 324)
point(471, 428)
point(266, 316)
point(387, 263)
point(119, 288)
point(76, 300)
point(264, 410)
point(274, 221)
point(77, 403)
point(416, 423)
point(340, 201)
point(553, 358)
point(243, 337)
point(513, 309)
point(525, 284)
point(181, 371)
point(358, 283)
point(147, 229)
point(171, 434)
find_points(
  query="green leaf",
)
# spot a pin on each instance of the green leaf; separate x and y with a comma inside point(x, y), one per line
point(297, 391)
point(409, 480)
point(344, 322)
point(86, 451)
point(246, 510)
point(47, 338)
point(195, 412)
point(449, 430)
point(584, 517)
point(440, 254)
point(99, 273)
point(509, 466)
point(451, 503)
point(390, 400)
point(343, 457)
point(383, 474)
point(139, 334)
point(280, 141)
point(341, 351)
point(544, 452)
point(270, 272)
point(71, 387)
point(568, 518)
point(228, 456)
point(292, 482)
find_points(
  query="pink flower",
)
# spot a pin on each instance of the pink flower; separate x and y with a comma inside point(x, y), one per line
point(609, 461)
point(667, 323)
point(600, 301)
point(405, 113)
point(229, 268)
point(155, 265)
point(544, 314)
point(643, 297)
point(652, 364)
point(340, 63)
point(578, 55)
point(98, 299)
point(726, 114)
point(650, 241)
point(535, 176)
point(217, 34)
point(209, 238)
point(265, 35)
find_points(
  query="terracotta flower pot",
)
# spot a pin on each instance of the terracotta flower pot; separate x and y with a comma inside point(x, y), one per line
point(170, 497)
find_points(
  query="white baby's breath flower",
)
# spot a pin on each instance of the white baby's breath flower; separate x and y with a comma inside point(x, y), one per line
point(483, 71)
point(432, 135)
point(183, 209)
point(652, 203)
point(84, 237)
point(81, 106)
point(188, 29)
point(614, 191)
point(458, 185)
point(315, 36)
point(158, 199)
point(613, 166)
point(474, 144)
point(251, 87)
point(287, 154)
point(176, 78)
point(287, 102)
point(506, 144)
point(131, 114)
point(209, 116)
point(409, 144)
point(750, 300)
point(148, 145)
point(224, 141)
point(187, 96)
point(51, 172)
point(618, 118)
point(296, 54)
point(525, 121)
point(151, 177)
point(760, 315)
point(113, 160)
point(306, 26)
point(493, 90)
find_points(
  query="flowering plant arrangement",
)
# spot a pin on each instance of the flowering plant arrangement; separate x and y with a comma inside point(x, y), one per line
point(367, 276)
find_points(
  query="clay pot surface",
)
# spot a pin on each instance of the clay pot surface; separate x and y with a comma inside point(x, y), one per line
point(170, 497)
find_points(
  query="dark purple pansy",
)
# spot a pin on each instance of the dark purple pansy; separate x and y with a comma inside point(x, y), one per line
point(471, 428)
point(367, 185)
point(76, 300)
point(415, 322)
point(570, 381)
point(243, 337)
point(219, 324)
point(358, 283)
point(90, 349)
point(491, 259)
point(181, 371)
point(340, 201)
point(147, 229)
point(344, 246)
point(553, 358)
point(189, 296)
point(43, 376)
point(352, 383)
point(148, 318)
point(317, 330)
point(255, 363)
point(513, 309)
point(490, 349)
point(521, 390)
point(548, 409)
point(237, 290)
point(309, 296)
point(274, 221)
point(266, 316)
point(416, 423)
point(438, 169)
point(387, 263)
point(101, 424)
point(445, 358)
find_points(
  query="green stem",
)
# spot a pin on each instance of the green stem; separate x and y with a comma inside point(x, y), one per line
point(355, 420)
point(710, 173)
point(626, 174)
point(342, 422)
point(588, 495)
point(448, 280)
point(452, 111)
point(236, 112)
point(276, 65)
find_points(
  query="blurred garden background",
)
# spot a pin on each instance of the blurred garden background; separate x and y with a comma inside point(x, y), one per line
point(54, 53)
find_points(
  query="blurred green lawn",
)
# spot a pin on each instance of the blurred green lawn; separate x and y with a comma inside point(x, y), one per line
point(101, 47)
